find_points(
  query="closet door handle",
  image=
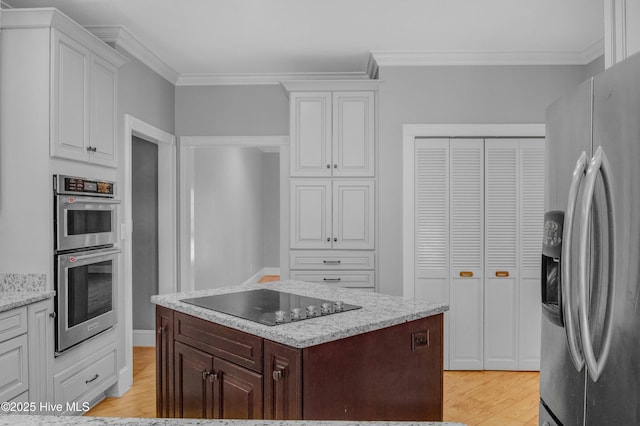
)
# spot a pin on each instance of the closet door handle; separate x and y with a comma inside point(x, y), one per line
point(466, 274)
point(502, 274)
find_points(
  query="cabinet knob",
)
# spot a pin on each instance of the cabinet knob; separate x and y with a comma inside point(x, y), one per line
point(205, 374)
point(213, 377)
point(335, 239)
point(89, 149)
point(328, 166)
point(161, 330)
point(328, 239)
point(502, 274)
point(53, 315)
point(335, 166)
point(277, 375)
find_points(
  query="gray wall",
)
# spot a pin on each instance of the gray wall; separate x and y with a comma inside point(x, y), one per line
point(271, 209)
point(594, 67)
point(259, 110)
point(227, 215)
point(145, 95)
point(446, 95)
point(144, 170)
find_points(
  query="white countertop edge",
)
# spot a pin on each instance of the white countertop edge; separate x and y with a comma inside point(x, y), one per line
point(311, 332)
point(15, 299)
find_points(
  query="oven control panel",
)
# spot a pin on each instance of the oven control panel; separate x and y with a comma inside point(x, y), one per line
point(83, 186)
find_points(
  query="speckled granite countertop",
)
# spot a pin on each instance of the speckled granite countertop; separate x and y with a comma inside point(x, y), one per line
point(115, 421)
point(378, 311)
point(18, 290)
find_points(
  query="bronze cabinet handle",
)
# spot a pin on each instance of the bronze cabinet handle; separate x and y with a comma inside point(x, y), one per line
point(466, 274)
point(502, 274)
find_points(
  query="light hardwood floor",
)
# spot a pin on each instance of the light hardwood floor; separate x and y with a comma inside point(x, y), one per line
point(480, 398)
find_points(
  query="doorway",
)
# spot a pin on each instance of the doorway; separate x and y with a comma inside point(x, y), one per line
point(234, 192)
point(166, 230)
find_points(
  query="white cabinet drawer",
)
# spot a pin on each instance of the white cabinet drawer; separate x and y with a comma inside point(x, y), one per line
point(13, 323)
point(348, 279)
point(14, 372)
point(331, 260)
point(75, 385)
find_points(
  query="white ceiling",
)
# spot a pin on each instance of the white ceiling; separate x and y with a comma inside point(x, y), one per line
point(256, 37)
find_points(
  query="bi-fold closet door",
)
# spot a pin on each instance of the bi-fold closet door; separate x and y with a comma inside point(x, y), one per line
point(479, 208)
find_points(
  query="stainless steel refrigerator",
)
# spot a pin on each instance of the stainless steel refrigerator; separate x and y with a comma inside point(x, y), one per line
point(590, 361)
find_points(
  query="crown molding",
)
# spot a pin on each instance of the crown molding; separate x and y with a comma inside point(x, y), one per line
point(49, 17)
point(441, 58)
point(120, 36)
point(262, 78)
point(330, 85)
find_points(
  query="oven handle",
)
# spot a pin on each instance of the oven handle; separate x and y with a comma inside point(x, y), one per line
point(88, 200)
point(101, 253)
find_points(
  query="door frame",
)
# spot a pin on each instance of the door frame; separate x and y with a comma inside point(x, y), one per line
point(187, 144)
point(167, 223)
point(409, 134)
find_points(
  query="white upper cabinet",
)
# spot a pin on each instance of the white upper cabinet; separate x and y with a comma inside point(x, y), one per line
point(70, 100)
point(311, 133)
point(353, 134)
point(83, 103)
point(102, 137)
point(329, 214)
point(332, 134)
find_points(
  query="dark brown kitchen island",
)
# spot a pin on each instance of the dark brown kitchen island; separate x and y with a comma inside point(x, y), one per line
point(381, 362)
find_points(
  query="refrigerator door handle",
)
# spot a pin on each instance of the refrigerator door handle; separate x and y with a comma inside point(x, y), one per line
point(599, 163)
point(565, 267)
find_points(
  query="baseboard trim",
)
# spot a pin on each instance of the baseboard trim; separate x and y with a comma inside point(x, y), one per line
point(144, 338)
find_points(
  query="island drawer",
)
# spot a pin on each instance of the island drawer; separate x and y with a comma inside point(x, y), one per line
point(235, 346)
point(348, 279)
point(332, 260)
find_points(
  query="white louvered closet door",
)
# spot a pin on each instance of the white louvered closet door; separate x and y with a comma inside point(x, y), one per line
point(531, 168)
point(467, 237)
point(432, 220)
point(501, 254)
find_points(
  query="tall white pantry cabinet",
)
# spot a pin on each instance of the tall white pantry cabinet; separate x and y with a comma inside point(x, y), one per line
point(479, 208)
point(332, 183)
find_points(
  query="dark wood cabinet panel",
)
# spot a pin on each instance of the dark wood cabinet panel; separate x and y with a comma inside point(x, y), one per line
point(282, 382)
point(237, 392)
point(390, 374)
point(164, 362)
point(194, 385)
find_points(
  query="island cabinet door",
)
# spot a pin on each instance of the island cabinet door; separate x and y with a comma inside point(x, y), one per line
point(282, 382)
point(237, 392)
point(194, 383)
point(164, 362)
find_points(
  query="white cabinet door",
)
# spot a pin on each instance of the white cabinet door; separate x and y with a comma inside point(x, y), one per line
point(466, 326)
point(501, 254)
point(310, 214)
point(532, 172)
point(14, 367)
point(104, 86)
point(310, 117)
point(353, 134)
point(353, 217)
point(70, 74)
point(432, 220)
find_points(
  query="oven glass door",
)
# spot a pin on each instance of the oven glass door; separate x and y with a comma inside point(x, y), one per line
point(86, 296)
point(85, 222)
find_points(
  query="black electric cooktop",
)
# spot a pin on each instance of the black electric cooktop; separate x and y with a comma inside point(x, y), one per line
point(270, 307)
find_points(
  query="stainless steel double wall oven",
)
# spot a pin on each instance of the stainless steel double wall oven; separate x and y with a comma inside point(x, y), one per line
point(85, 259)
